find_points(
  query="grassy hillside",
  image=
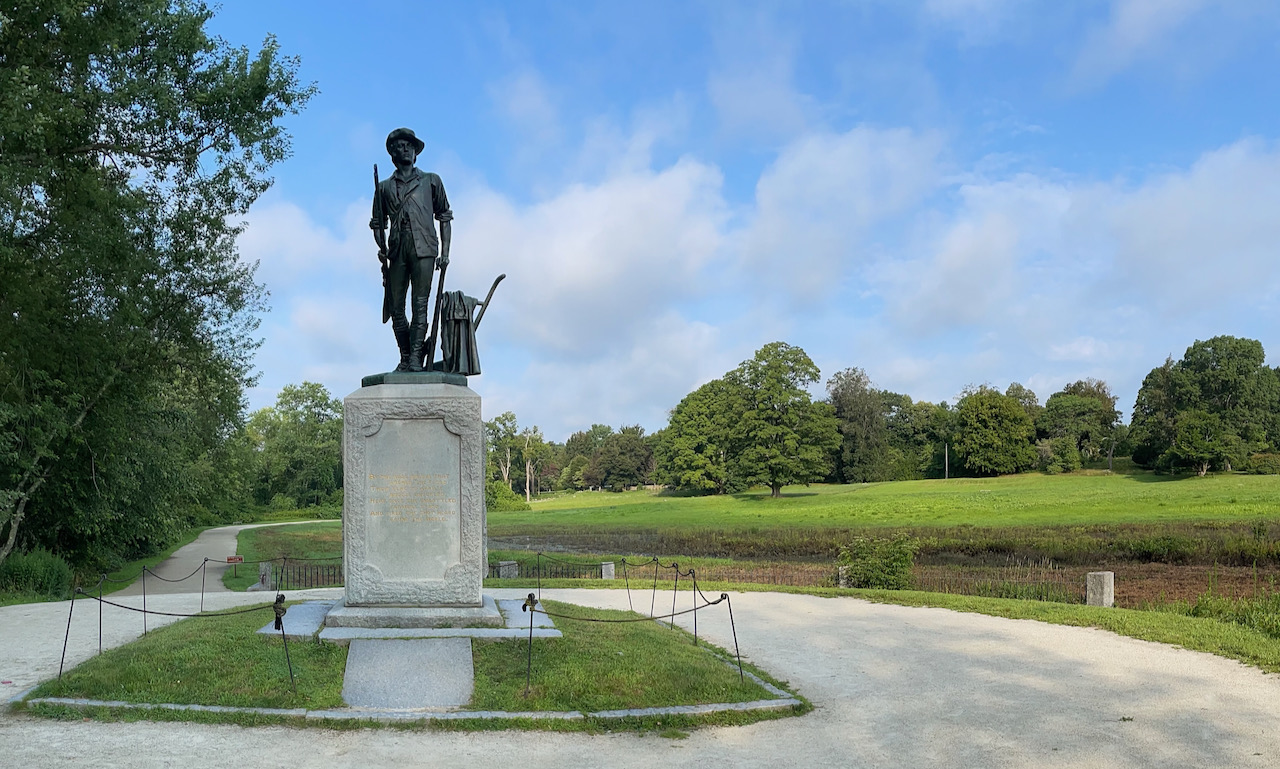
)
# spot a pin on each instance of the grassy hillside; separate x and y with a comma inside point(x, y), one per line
point(1014, 501)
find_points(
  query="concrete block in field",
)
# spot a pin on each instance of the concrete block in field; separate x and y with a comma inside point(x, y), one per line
point(1100, 588)
point(606, 570)
point(508, 569)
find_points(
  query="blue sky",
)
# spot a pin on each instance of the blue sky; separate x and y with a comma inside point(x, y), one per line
point(943, 193)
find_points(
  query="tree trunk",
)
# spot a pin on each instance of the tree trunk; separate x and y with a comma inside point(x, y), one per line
point(528, 473)
point(775, 490)
point(1203, 469)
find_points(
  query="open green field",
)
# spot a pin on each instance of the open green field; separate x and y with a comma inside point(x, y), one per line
point(1029, 499)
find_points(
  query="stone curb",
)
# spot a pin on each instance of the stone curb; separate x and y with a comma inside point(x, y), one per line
point(358, 714)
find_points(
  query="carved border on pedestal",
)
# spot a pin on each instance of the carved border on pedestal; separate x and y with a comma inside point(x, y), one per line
point(363, 418)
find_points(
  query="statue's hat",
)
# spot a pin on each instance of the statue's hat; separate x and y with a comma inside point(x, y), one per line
point(405, 133)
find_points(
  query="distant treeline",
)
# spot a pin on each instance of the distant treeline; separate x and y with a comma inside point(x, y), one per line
point(1217, 408)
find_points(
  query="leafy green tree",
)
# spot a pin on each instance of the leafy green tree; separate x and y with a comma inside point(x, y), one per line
point(865, 451)
point(993, 433)
point(299, 445)
point(1197, 441)
point(571, 476)
point(502, 437)
point(624, 459)
point(534, 453)
point(1225, 377)
point(697, 449)
point(1027, 397)
point(1086, 420)
point(587, 442)
point(783, 436)
point(130, 144)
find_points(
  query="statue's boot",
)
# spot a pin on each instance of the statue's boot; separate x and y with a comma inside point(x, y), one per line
point(401, 330)
point(417, 346)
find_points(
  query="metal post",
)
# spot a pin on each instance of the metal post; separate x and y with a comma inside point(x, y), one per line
point(288, 661)
point(627, 582)
point(529, 603)
point(674, 588)
point(734, 628)
point(100, 580)
point(67, 638)
point(144, 600)
point(693, 575)
point(654, 598)
point(204, 567)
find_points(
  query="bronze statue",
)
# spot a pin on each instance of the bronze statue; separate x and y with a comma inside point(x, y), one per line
point(409, 200)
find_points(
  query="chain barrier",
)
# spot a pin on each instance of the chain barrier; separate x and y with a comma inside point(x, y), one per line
point(278, 608)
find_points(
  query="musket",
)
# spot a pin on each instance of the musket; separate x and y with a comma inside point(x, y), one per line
point(380, 237)
point(429, 354)
point(485, 307)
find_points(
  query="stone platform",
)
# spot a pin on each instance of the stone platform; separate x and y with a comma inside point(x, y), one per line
point(486, 615)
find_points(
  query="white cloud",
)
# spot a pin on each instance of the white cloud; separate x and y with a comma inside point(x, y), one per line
point(588, 265)
point(1202, 240)
point(816, 202)
point(1136, 28)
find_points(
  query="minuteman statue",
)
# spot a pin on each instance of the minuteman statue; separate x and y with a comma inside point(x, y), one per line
point(405, 209)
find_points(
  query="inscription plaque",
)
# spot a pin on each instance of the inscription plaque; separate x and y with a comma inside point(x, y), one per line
point(414, 514)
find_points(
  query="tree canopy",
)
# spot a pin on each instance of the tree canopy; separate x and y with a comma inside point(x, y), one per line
point(130, 143)
point(1216, 406)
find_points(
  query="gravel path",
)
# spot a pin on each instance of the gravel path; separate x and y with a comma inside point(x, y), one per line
point(212, 543)
point(893, 686)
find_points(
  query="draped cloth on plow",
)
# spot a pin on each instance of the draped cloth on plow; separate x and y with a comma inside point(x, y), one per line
point(458, 333)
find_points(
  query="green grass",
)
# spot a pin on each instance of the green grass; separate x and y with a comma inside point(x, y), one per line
point(606, 666)
point(220, 660)
point(1204, 634)
point(322, 539)
point(1029, 499)
point(210, 660)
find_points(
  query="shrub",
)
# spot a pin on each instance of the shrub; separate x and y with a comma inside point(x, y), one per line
point(877, 562)
point(1058, 455)
point(281, 502)
point(38, 572)
point(1264, 464)
point(498, 497)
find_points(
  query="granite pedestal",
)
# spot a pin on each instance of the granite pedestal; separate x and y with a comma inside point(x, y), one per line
point(413, 518)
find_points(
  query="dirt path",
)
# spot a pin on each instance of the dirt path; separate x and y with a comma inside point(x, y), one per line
point(894, 686)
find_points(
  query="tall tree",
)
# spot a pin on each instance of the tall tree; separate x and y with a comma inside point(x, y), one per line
point(1083, 412)
point(586, 442)
point(130, 144)
point(993, 433)
point(784, 437)
point(625, 459)
point(697, 449)
point(865, 452)
point(534, 453)
point(299, 445)
point(1225, 377)
point(502, 436)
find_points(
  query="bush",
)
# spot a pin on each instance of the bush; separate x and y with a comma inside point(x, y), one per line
point(1264, 464)
point(876, 562)
point(498, 497)
point(38, 572)
point(282, 502)
point(1058, 455)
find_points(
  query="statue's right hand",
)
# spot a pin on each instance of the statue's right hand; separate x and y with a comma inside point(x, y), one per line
point(382, 255)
